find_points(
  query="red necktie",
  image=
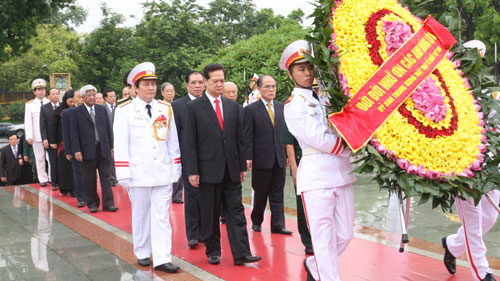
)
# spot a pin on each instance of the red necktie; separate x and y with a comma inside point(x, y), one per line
point(218, 112)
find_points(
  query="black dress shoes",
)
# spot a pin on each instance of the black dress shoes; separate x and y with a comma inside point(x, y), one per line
point(282, 231)
point(43, 184)
point(214, 260)
point(167, 267)
point(192, 243)
point(309, 251)
point(449, 260)
point(256, 228)
point(72, 194)
point(110, 209)
point(489, 277)
point(247, 259)
point(178, 201)
point(309, 275)
point(144, 262)
point(80, 204)
point(93, 209)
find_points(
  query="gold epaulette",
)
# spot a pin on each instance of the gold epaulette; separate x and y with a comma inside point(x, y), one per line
point(30, 101)
point(289, 99)
point(122, 99)
point(165, 102)
point(125, 103)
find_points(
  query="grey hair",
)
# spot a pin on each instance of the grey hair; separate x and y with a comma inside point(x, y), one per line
point(165, 84)
point(87, 88)
point(230, 83)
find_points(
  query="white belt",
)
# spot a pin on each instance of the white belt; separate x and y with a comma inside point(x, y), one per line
point(311, 151)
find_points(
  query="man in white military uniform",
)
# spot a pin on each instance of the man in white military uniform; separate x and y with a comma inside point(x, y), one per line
point(32, 128)
point(147, 161)
point(255, 94)
point(323, 176)
point(476, 221)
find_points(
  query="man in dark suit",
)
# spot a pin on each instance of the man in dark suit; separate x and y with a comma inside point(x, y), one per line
point(263, 130)
point(195, 87)
point(92, 145)
point(216, 165)
point(46, 113)
point(66, 135)
point(110, 105)
point(11, 161)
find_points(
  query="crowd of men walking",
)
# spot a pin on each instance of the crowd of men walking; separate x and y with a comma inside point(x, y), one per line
point(205, 143)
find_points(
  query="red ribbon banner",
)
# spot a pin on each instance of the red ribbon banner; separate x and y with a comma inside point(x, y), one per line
point(392, 84)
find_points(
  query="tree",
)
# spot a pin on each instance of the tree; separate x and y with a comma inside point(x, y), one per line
point(51, 51)
point(260, 54)
point(107, 53)
point(18, 22)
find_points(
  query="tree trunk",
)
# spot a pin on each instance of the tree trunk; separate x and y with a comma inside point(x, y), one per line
point(469, 22)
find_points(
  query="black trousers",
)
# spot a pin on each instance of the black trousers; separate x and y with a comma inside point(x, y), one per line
point(177, 190)
point(191, 210)
point(89, 167)
point(269, 183)
point(305, 235)
point(227, 194)
point(53, 166)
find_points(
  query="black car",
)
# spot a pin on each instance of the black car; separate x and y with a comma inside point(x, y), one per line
point(4, 129)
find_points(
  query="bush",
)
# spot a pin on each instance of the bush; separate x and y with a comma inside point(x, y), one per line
point(15, 111)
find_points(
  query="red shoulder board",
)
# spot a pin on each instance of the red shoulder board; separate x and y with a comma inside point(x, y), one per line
point(289, 99)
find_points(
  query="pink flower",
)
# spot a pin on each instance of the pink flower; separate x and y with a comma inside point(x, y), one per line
point(457, 63)
point(449, 55)
point(432, 175)
point(381, 149)
point(466, 82)
point(403, 163)
point(428, 99)
point(480, 115)
point(484, 139)
point(412, 170)
point(480, 157)
point(421, 171)
point(481, 123)
point(476, 165)
point(482, 148)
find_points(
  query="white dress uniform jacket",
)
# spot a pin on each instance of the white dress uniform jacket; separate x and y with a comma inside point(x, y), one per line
point(325, 163)
point(146, 149)
point(32, 119)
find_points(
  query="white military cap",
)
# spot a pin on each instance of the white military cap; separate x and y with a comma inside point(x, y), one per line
point(479, 45)
point(145, 70)
point(294, 53)
point(255, 77)
point(38, 83)
point(86, 88)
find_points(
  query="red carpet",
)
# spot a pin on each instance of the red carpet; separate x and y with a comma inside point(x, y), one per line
point(283, 256)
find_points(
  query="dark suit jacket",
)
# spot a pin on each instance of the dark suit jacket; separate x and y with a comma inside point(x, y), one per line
point(46, 115)
point(263, 141)
point(179, 108)
point(66, 128)
point(9, 164)
point(83, 135)
point(209, 150)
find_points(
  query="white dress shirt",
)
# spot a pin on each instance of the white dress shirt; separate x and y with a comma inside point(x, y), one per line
point(212, 102)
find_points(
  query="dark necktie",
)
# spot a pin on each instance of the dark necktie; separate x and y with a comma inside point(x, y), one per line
point(148, 107)
point(92, 115)
point(55, 106)
point(41, 103)
point(112, 109)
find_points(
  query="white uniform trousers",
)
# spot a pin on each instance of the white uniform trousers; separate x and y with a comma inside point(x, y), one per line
point(330, 216)
point(476, 221)
point(40, 156)
point(151, 229)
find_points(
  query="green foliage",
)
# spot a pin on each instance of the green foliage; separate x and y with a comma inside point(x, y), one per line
point(385, 170)
point(106, 54)
point(53, 46)
point(14, 111)
point(19, 21)
point(259, 54)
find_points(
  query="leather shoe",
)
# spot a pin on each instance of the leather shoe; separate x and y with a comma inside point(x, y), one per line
point(309, 251)
point(167, 267)
point(178, 201)
point(282, 231)
point(93, 209)
point(489, 277)
point(214, 260)
point(110, 209)
point(144, 262)
point(449, 260)
point(256, 228)
point(309, 275)
point(247, 259)
point(80, 204)
point(192, 243)
point(223, 220)
point(72, 194)
point(43, 184)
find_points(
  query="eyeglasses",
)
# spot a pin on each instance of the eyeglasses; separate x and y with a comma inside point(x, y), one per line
point(268, 87)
